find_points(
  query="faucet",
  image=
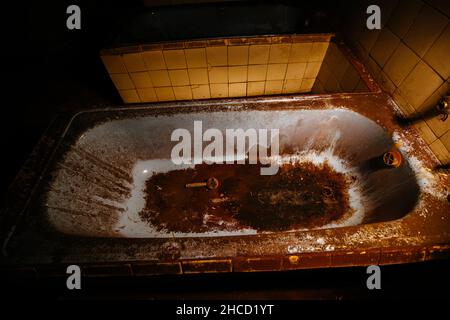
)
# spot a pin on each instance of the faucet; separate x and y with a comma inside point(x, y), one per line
point(443, 107)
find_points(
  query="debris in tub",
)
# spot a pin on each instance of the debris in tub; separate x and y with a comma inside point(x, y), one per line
point(320, 240)
point(301, 195)
point(138, 216)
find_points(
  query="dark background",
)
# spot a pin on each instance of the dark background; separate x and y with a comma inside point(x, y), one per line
point(48, 69)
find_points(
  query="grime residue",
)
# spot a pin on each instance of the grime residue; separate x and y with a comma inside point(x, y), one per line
point(312, 190)
point(299, 196)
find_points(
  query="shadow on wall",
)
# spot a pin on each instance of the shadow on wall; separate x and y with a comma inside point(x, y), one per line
point(420, 116)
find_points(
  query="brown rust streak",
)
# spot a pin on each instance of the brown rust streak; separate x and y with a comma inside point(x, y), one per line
point(299, 196)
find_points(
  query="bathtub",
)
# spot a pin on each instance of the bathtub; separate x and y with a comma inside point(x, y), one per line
point(109, 194)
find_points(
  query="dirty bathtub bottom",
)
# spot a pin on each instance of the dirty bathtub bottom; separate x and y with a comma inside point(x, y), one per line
point(299, 196)
point(313, 190)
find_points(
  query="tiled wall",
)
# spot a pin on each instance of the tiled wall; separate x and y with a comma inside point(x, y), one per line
point(410, 58)
point(337, 74)
point(216, 68)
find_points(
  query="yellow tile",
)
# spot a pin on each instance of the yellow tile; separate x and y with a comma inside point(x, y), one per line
point(183, 93)
point(237, 89)
point(400, 64)
point(318, 51)
point(273, 87)
point(259, 54)
point(200, 91)
point(318, 88)
point(360, 52)
point(442, 5)
point(445, 139)
point(122, 81)
point(179, 77)
point(300, 52)
point(374, 68)
point(295, 70)
point(438, 126)
point(237, 74)
point(217, 56)
point(154, 60)
point(324, 73)
point(386, 83)
point(312, 69)
point(219, 90)
point(404, 105)
point(380, 76)
point(403, 16)
point(438, 55)
point(367, 38)
point(433, 99)
point(134, 62)
point(160, 78)
point(385, 45)
point(141, 79)
point(440, 151)
point(147, 95)
point(425, 132)
point(165, 94)
point(336, 60)
point(350, 80)
point(332, 85)
point(307, 84)
point(276, 71)
point(129, 96)
point(425, 30)
point(279, 53)
point(237, 55)
point(257, 72)
point(420, 84)
point(114, 64)
point(175, 59)
point(196, 58)
point(198, 76)
point(255, 88)
point(292, 86)
point(218, 75)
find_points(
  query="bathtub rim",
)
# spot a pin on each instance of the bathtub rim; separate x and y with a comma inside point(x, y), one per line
point(64, 127)
point(264, 103)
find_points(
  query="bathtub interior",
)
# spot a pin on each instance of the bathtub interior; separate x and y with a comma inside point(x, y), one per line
point(97, 189)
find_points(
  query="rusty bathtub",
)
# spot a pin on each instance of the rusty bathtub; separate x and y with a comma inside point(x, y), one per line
point(110, 194)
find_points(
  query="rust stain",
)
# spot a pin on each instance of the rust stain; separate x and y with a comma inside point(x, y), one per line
point(298, 196)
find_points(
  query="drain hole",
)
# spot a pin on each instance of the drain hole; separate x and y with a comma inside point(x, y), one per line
point(392, 159)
